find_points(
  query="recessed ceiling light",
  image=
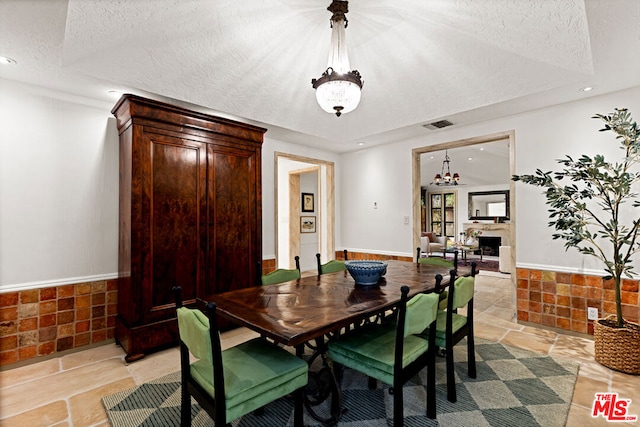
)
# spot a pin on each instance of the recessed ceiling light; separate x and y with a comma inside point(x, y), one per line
point(360, 143)
point(7, 61)
point(431, 157)
point(481, 148)
point(586, 89)
point(114, 93)
point(469, 158)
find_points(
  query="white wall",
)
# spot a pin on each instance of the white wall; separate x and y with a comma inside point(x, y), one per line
point(384, 174)
point(59, 185)
point(58, 188)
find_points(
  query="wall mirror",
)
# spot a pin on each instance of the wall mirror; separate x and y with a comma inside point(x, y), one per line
point(489, 205)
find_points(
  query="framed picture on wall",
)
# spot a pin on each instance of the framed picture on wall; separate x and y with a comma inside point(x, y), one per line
point(307, 224)
point(307, 202)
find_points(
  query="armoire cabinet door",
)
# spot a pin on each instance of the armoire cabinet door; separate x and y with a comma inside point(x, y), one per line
point(233, 209)
point(176, 180)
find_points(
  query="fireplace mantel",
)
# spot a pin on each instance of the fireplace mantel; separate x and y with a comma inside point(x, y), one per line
point(502, 230)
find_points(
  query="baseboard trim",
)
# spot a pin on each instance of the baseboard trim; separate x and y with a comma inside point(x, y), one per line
point(57, 282)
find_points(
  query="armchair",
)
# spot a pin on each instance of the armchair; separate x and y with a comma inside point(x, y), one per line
point(430, 243)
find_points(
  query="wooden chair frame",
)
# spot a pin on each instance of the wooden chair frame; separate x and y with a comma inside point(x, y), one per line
point(453, 338)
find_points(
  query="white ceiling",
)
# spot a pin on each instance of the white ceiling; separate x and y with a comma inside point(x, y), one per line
point(421, 60)
point(478, 165)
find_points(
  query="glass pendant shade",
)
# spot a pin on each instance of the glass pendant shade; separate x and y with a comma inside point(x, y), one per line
point(337, 94)
point(338, 89)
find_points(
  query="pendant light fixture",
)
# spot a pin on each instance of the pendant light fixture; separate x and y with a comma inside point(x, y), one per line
point(338, 89)
point(445, 177)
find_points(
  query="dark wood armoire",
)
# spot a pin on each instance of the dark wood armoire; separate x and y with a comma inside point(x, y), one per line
point(190, 215)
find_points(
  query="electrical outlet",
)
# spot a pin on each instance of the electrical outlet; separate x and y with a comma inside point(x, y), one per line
point(592, 313)
point(406, 219)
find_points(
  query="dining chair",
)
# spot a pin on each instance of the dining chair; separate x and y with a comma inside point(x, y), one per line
point(452, 327)
point(333, 265)
point(392, 352)
point(282, 274)
point(439, 262)
point(231, 383)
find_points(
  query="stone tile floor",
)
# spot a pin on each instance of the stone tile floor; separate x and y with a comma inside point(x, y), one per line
point(66, 390)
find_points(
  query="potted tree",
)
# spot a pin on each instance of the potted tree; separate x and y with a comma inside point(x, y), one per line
point(586, 213)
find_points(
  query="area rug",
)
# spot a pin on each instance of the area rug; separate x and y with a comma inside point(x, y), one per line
point(514, 387)
point(484, 265)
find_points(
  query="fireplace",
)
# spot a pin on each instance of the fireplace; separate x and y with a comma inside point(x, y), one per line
point(489, 245)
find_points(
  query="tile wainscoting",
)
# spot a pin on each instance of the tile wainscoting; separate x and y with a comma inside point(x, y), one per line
point(560, 300)
point(39, 322)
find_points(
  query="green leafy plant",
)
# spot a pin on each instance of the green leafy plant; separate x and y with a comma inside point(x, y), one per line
point(586, 212)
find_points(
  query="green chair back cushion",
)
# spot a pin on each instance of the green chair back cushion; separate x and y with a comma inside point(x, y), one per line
point(463, 291)
point(333, 266)
point(443, 300)
point(422, 310)
point(193, 326)
point(436, 261)
point(280, 275)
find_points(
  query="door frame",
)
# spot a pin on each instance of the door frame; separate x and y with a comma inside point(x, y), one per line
point(325, 202)
point(415, 169)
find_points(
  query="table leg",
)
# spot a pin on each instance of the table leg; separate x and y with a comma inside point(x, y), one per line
point(322, 393)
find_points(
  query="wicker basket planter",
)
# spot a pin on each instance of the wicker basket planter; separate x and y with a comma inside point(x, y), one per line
point(617, 348)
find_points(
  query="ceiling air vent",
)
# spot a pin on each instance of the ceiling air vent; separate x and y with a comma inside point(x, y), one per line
point(438, 125)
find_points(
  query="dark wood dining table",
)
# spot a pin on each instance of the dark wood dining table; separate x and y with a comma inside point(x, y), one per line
point(311, 308)
point(295, 312)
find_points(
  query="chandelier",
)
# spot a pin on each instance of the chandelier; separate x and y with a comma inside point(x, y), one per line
point(445, 178)
point(338, 89)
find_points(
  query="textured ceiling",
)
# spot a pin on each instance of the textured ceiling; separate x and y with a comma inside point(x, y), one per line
point(421, 60)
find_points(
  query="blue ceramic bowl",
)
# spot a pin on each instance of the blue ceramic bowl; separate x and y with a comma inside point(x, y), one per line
point(366, 273)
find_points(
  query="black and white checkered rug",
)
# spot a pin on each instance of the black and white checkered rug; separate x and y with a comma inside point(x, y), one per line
point(513, 387)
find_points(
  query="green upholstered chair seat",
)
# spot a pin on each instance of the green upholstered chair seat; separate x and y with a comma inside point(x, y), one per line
point(457, 322)
point(391, 353)
point(253, 372)
point(280, 275)
point(371, 351)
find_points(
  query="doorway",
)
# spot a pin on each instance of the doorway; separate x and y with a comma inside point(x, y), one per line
point(304, 230)
point(417, 209)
